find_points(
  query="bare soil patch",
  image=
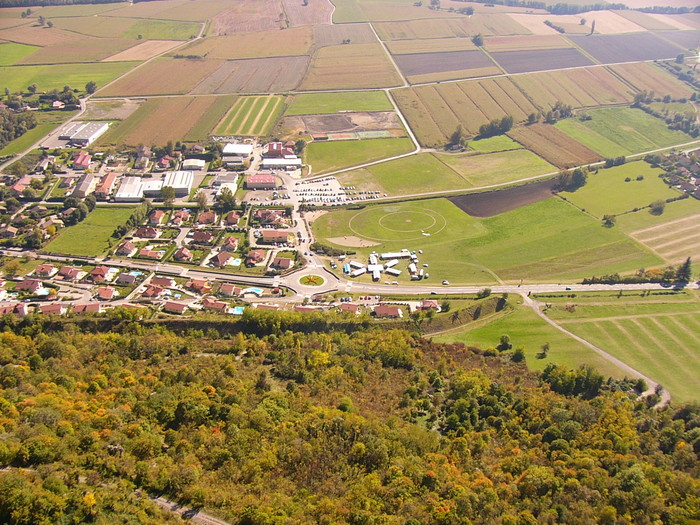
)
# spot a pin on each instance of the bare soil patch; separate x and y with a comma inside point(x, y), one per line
point(144, 51)
point(313, 13)
point(248, 16)
point(540, 59)
point(332, 35)
point(365, 121)
point(111, 109)
point(353, 242)
point(496, 202)
point(426, 63)
point(611, 49)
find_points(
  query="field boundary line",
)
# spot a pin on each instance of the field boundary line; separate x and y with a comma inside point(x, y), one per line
point(644, 330)
point(672, 242)
point(451, 168)
point(389, 56)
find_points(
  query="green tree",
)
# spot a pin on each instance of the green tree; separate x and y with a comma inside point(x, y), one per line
point(91, 87)
point(685, 272)
point(201, 199)
point(167, 193)
point(657, 207)
point(49, 23)
point(226, 200)
point(32, 88)
point(518, 355)
point(42, 20)
point(680, 58)
point(478, 40)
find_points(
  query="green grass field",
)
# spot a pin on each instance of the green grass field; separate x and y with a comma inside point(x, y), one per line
point(162, 30)
point(546, 241)
point(251, 116)
point(91, 236)
point(643, 219)
point(318, 103)
point(621, 131)
point(11, 52)
point(659, 339)
point(493, 144)
point(50, 77)
point(328, 156)
point(607, 192)
point(497, 168)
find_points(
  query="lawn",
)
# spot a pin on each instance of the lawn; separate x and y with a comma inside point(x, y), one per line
point(56, 76)
point(607, 192)
point(497, 168)
point(328, 156)
point(10, 52)
point(621, 131)
point(525, 328)
point(91, 237)
point(318, 103)
point(546, 241)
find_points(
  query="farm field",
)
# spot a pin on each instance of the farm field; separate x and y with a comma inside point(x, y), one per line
point(323, 103)
point(606, 192)
point(172, 10)
point(159, 120)
point(433, 45)
point(621, 131)
point(540, 59)
point(674, 239)
point(548, 241)
point(247, 17)
point(493, 144)
point(25, 141)
point(645, 20)
point(422, 65)
point(486, 24)
point(37, 36)
point(497, 168)
point(494, 44)
point(99, 26)
point(350, 66)
point(553, 145)
point(162, 77)
point(110, 109)
point(296, 41)
point(257, 75)
point(84, 50)
point(253, 116)
point(90, 237)
point(685, 39)
point(434, 112)
point(335, 35)
point(312, 13)
point(143, 51)
point(406, 176)
point(648, 77)
point(62, 11)
point(641, 220)
point(11, 53)
point(527, 330)
point(610, 49)
point(660, 339)
point(328, 156)
point(348, 11)
point(50, 77)
point(162, 30)
point(495, 202)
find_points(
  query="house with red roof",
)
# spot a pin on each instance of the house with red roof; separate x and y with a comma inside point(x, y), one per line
point(206, 217)
point(199, 285)
point(82, 160)
point(87, 308)
point(277, 150)
point(28, 285)
point(173, 307)
point(255, 257)
point(232, 218)
point(106, 293)
point(70, 273)
point(152, 291)
point(45, 270)
point(155, 218)
point(106, 185)
point(230, 290)
point(202, 237)
point(230, 244)
point(183, 255)
point(221, 259)
point(209, 303)
point(53, 309)
point(165, 282)
point(149, 253)
point(282, 263)
point(98, 274)
point(274, 236)
point(350, 307)
point(388, 310)
point(146, 232)
point(126, 249)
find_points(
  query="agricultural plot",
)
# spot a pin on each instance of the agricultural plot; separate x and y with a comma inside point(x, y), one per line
point(422, 65)
point(549, 240)
point(323, 103)
point(497, 168)
point(56, 76)
point(162, 77)
point(434, 45)
point(252, 116)
point(110, 109)
point(313, 12)
point(583, 87)
point(540, 59)
point(11, 53)
point(143, 51)
point(349, 67)
point(494, 44)
point(659, 341)
point(346, 126)
point(493, 144)
point(159, 120)
point(99, 26)
point(647, 21)
point(77, 10)
point(348, 11)
point(162, 30)
point(648, 77)
point(186, 10)
point(463, 27)
point(37, 36)
point(611, 49)
point(334, 35)
point(328, 156)
point(90, 237)
point(84, 50)
point(618, 190)
point(258, 75)
point(685, 39)
point(607, 23)
point(491, 203)
point(296, 41)
point(554, 146)
point(621, 131)
point(248, 16)
point(674, 240)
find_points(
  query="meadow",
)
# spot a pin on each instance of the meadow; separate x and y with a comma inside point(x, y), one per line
point(11, 53)
point(17, 78)
point(621, 131)
point(252, 116)
point(607, 191)
point(328, 156)
point(162, 30)
point(92, 236)
point(674, 240)
point(322, 103)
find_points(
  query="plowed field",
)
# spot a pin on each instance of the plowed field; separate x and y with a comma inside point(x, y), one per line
point(257, 75)
point(611, 49)
point(540, 59)
point(327, 35)
point(261, 44)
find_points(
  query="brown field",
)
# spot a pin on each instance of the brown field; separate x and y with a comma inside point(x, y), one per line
point(645, 76)
point(428, 63)
point(84, 50)
point(333, 35)
point(494, 44)
point(296, 41)
point(101, 26)
point(111, 109)
point(540, 59)
point(12, 22)
point(583, 87)
point(647, 21)
point(37, 36)
point(633, 47)
point(159, 120)
point(533, 23)
point(350, 66)
point(447, 28)
point(388, 11)
point(434, 112)
point(183, 10)
point(163, 77)
point(343, 122)
point(144, 51)
point(256, 75)
point(436, 45)
point(685, 39)
point(460, 74)
point(316, 12)
point(488, 9)
point(554, 146)
point(494, 203)
point(248, 16)
point(673, 240)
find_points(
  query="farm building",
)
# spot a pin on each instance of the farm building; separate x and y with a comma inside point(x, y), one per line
point(180, 181)
point(85, 133)
point(130, 190)
point(85, 186)
point(288, 164)
point(194, 165)
point(106, 185)
point(261, 182)
point(272, 236)
point(277, 150)
point(238, 150)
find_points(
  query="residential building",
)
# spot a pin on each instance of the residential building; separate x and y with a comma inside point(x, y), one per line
point(202, 237)
point(206, 217)
point(98, 274)
point(126, 279)
point(106, 293)
point(209, 303)
point(82, 309)
point(282, 263)
point(82, 160)
point(183, 255)
point(45, 270)
point(229, 290)
point(274, 236)
point(232, 218)
point(53, 309)
point(9, 232)
point(230, 244)
point(388, 310)
point(150, 253)
point(106, 185)
point(152, 291)
point(70, 273)
point(277, 150)
point(146, 232)
point(156, 217)
point(350, 307)
point(165, 282)
point(126, 249)
point(28, 285)
point(221, 259)
point(255, 257)
point(173, 307)
point(199, 285)
point(269, 217)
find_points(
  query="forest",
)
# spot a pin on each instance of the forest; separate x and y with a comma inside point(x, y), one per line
point(354, 424)
point(14, 125)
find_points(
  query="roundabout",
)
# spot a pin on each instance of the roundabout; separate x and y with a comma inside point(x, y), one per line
point(312, 280)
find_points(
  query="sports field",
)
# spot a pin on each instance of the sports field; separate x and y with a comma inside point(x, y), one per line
point(50, 77)
point(252, 116)
point(621, 131)
point(607, 192)
point(90, 237)
point(328, 156)
point(659, 339)
point(322, 103)
point(546, 241)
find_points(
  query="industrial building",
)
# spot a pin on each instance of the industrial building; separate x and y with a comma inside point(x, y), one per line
point(83, 133)
point(180, 181)
point(281, 164)
point(130, 190)
point(84, 186)
point(194, 164)
point(261, 182)
point(238, 150)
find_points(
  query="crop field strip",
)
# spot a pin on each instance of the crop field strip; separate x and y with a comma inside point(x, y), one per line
point(433, 45)
point(648, 77)
point(646, 21)
point(494, 44)
point(685, 39)
point(255, 75)
point(447, 28)
point(251, 116)
point(633, 47)
point(540, 59)
point(424, 64)
point(143, 51)
point(674, 240)
point(11, 53)
point(312, 12)
point(79, 51)
point(555, 146)
point(334, 35)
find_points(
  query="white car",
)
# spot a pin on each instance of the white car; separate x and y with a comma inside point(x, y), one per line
point(446, 283)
